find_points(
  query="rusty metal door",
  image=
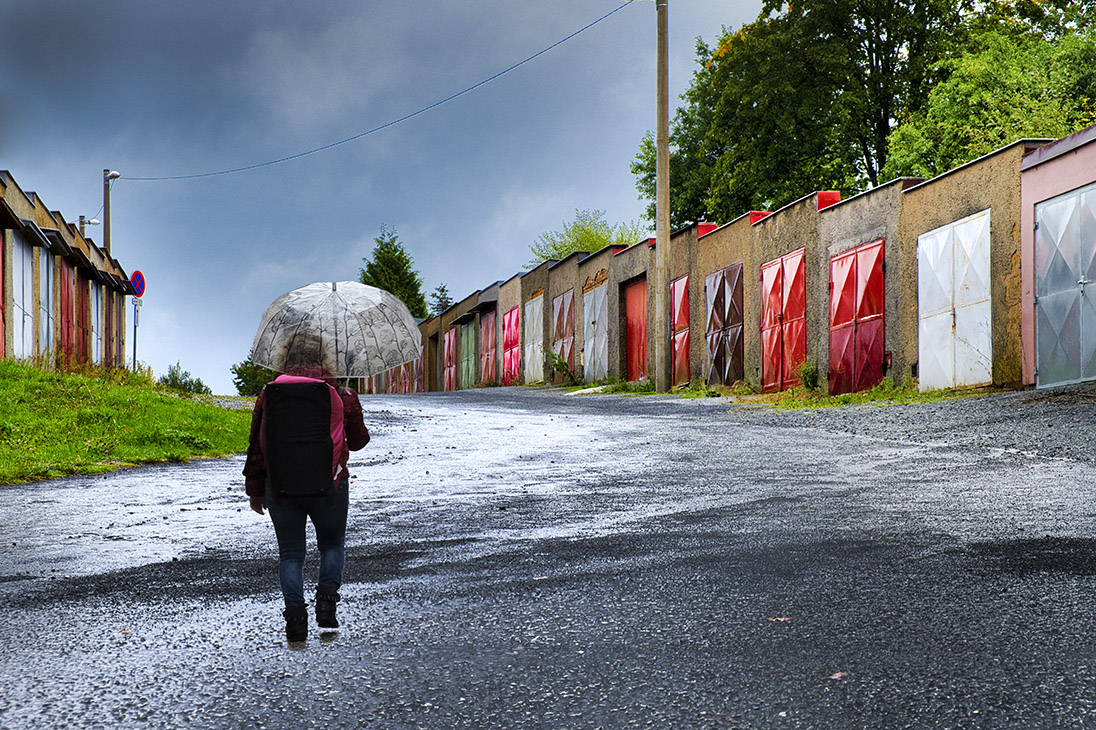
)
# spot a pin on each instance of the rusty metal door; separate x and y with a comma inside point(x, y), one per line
point(783, 321)
point(563, 329)
point(450, 362)
point(856, 318)
point(489, 367)
point(635, 330)
point(595, 334)
point(511, 346)
point(679, 331)
point(68, 323)
point(954, 335)
point(1065, 288)
point(723, 303)
point(534, 340)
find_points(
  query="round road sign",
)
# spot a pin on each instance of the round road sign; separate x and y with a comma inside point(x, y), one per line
point(138, 281)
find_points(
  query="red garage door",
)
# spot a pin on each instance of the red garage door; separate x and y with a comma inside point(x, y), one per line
point(723, 302)
point(679, 331)
point(635, 331)
point(450, 363)
point(856, 318)
point(783, 321)
point(489, 368)
point(511, 346)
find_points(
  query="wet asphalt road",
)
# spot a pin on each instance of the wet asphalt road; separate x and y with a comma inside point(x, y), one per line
point(521, 558)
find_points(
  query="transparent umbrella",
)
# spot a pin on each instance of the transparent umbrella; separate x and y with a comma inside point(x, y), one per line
point(344, 328)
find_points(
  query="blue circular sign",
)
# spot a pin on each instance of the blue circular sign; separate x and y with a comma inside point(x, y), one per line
point(138, 281)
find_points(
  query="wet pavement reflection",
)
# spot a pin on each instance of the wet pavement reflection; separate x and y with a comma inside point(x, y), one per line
point(523, 558)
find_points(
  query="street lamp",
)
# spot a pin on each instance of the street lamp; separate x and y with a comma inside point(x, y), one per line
point(87, 222)
point(108, 175)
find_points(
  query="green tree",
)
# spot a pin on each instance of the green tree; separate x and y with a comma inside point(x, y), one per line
point(440, 300)
point(801, 99)
point(250, 378)
point(391, 269)
point(1014, 83)
point(589, 231)
point(182, 381)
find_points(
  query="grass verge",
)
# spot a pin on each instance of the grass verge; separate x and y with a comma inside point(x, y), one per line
point(54, 424)
point(886, 393)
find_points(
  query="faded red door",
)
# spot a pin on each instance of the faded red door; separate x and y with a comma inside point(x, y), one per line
point(82, 317)
point(635, 330)
point(783, 321)
point(563, 333)
point(511, 345)
point(450, 362)
point(489, 368)
point(68, 323)
point(679, 331)
point(857, 329)
point(723, 303)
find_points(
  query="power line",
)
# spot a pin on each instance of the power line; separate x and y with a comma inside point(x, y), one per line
point(383, 126)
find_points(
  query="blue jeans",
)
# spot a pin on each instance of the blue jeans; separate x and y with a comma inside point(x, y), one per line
point(290, 516)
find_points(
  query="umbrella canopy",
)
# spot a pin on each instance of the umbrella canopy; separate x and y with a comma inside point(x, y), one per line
point(343, 328)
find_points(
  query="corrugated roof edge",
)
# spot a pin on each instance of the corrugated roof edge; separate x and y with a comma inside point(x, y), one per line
point(999, 150)
point(1059, 147)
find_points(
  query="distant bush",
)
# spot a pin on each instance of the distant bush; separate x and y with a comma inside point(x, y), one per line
point(249, 378)
point(182, 381)
point(809, 376)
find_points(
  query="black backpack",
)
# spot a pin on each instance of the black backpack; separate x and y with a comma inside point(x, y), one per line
point(301, 456)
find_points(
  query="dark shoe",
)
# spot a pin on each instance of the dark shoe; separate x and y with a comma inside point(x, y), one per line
point(325, 609)
point(296, 623)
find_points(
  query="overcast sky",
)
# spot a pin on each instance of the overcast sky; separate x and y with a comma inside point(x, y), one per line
point(169, 88)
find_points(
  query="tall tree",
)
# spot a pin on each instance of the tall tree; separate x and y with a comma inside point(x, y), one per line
point(391, 269)
point(1014, 83)
point(589, 231)
point(801, 99)
point(440, 300)
point(250, 378)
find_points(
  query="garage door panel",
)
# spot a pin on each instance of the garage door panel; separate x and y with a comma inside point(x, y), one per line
point(772, 294)
point(717, 357)
point(679, 353)
point(870, 342)
point(772, 346)
point(870, 289)
point(973, 345)
point(843, 293)
point(934, 352)
point(733, 284)
point(795, 291)
point(715, 298)
point(534, 340)
point(842, 356)
point(735, 355)
point(795, 351)
point(1088, 329)
point(934, 272)
point(1058, 342)
point(1056, 246)
point(972, 282)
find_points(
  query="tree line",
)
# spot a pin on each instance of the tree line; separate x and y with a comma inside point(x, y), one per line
point(848, 94)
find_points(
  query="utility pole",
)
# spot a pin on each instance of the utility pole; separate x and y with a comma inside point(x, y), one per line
point(662, 209)
point(108, 175)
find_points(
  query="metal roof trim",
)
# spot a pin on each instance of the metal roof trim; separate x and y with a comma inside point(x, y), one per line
point(1060, 147)
point(58, 244)
point(986, 156)
point(31, 229)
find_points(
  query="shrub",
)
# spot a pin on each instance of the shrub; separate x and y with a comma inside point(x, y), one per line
point(808, 375)
point(182, 381)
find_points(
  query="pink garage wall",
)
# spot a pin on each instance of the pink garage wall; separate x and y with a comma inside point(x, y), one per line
point(1051, 170)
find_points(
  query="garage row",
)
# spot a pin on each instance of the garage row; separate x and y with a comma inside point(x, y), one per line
point(983, 275)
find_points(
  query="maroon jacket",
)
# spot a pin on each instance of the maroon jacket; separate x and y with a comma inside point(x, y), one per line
point(357, 436)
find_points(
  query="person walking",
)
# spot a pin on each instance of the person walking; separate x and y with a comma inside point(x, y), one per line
point(303, 429)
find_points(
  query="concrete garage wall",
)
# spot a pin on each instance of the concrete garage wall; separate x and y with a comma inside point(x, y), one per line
point(625, 267)
point(990, 182)
point(846, 225)
point(792, 227)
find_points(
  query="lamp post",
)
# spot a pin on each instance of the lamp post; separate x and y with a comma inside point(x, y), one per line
point(663, 381)
point(87, 222)
point(108, 175)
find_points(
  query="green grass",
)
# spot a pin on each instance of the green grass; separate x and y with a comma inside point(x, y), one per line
point(54, 424)
point(886, 393)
